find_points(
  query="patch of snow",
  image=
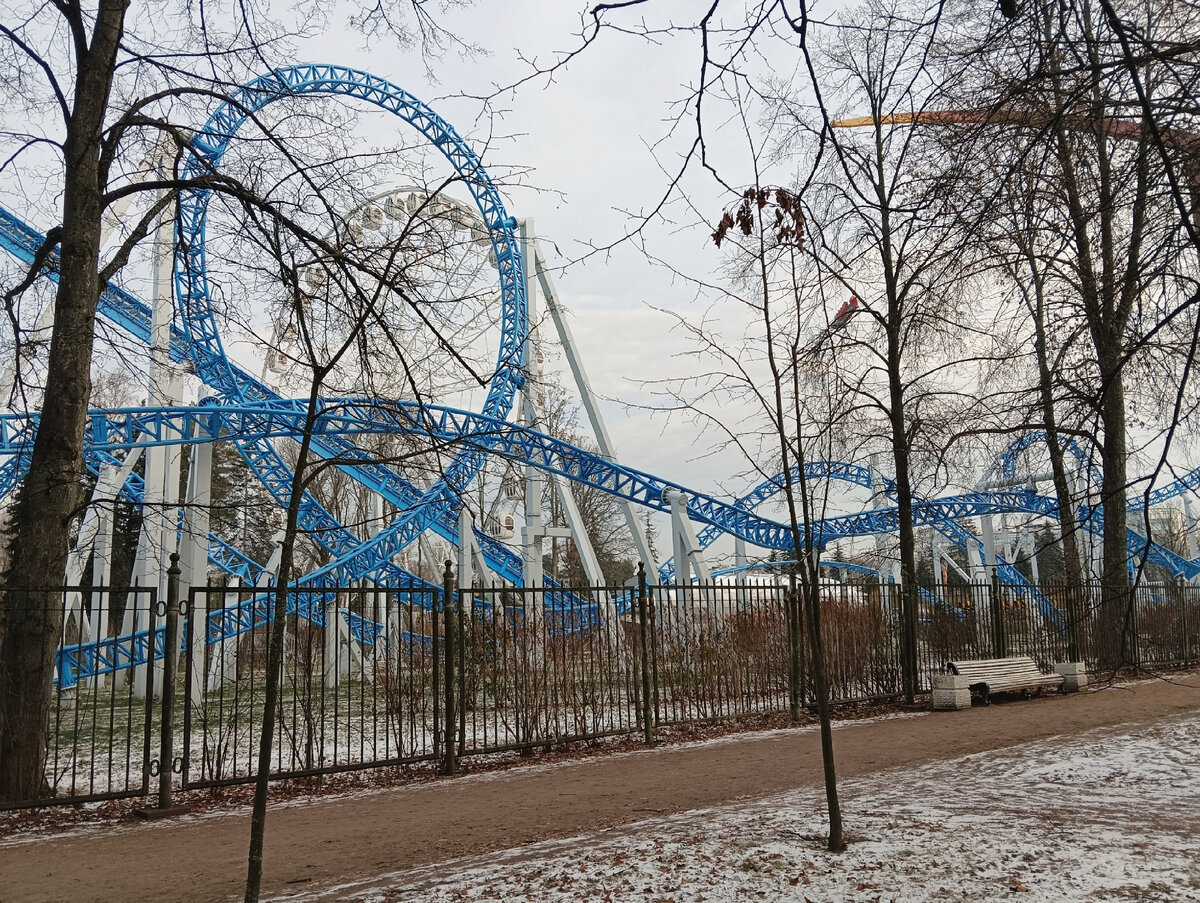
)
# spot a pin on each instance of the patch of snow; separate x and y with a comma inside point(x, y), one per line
point(1109, 815)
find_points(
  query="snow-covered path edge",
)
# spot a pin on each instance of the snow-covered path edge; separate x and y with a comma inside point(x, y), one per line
point(1106, 815)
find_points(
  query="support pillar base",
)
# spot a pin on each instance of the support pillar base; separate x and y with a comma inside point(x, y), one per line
point(1075, 676)
point(950, 693)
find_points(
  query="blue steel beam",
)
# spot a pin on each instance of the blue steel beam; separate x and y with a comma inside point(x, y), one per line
point(125, 429)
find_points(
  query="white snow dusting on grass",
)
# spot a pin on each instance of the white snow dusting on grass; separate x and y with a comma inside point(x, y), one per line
point(1104, 816)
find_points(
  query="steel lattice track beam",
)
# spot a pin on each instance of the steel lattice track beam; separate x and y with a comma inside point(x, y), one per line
point(116, 430)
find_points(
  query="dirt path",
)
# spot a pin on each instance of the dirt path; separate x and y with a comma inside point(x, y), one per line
point(202, 858)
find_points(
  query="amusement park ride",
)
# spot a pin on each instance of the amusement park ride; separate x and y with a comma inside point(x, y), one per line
point(246, 411)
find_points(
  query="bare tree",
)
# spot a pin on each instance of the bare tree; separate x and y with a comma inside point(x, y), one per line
point(767, 227)
point(1103, 169)
point(100, 90)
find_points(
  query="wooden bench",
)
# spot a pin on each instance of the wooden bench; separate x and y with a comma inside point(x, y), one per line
point(1003, 675)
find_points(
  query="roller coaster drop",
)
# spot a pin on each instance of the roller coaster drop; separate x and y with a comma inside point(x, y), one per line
point(246, 411)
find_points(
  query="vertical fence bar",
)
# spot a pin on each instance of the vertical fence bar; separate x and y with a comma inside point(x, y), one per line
point(999, 638)
point(190, 697)
point(166, 750)
point(462, 620)
point(450, 720)
point(1185, 601)
point(644, 636)
point(791, 605)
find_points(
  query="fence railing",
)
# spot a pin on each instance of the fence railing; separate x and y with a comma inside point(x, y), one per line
point(102, 715)
point(381, 676)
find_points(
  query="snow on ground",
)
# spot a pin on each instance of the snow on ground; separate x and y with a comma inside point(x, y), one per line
point(1104, 816)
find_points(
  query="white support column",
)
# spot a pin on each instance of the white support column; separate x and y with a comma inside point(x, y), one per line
point(1190, 527)
point(578, 531)
point(194, 554)
point(97, 522)
point(975, 562)
point(938, 582)
point(1033, 556)
point(161, 463)
point(429, 554)
point(688, 554)
point(533, 532)
point(335, 664)
point(537, 264)
point(101, 545)
point(954, 565)
point(988, 537)
point(466, 542)
point(1008, 550)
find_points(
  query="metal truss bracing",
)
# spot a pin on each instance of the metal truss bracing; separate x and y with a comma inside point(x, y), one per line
point(129, 428)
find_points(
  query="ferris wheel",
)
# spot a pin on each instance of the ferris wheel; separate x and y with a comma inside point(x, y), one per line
point(420, 309)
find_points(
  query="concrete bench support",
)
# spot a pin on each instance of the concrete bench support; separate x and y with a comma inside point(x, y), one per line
point(950, 693)
point(1074, 676)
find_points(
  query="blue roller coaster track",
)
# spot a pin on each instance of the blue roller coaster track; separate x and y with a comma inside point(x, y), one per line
point(246, 411)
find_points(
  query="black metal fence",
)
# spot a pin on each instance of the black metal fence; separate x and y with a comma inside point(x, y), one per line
point(360, 684)
point(103, 715)
point(381, 676)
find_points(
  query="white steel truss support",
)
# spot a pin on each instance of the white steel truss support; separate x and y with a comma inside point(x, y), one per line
point(537, 265)
point(689, 555)
point(194, 550)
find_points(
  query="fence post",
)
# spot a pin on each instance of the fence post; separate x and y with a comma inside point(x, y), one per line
point(999, 641)
point(1185, 601)
point(644, 633)
point(1134, 622)
point(435, 629)
point(450, 720)
point(166, 748)
point(791, 602)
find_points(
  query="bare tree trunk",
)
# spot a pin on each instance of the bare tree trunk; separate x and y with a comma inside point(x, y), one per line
point(1062, 485)
point(1116, 598)
point(52, 490)
point(908, 538)
point(258, 816)
point(837, 838)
